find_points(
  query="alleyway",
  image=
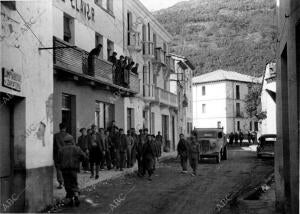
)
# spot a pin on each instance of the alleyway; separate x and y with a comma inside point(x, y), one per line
point(173, 192)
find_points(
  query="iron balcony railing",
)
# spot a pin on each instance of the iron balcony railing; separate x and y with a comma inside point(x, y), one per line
point(76, 60)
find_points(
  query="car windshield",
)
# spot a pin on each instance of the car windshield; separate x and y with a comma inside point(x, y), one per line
point(269, 141)
point(208, 134)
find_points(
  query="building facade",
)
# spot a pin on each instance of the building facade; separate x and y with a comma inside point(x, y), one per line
point(147, 43)
point(181, 84)
point(219, 101)
point(268, 100)
point(26, 94)
point(288, 92)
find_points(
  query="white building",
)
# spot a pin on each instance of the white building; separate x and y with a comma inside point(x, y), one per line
point(181, 84)
point(218, 101)
point(268, 100)
point(147, 43)
point(26, 91)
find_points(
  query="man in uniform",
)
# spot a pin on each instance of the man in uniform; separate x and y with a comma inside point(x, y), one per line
point(129, 140)
point(194, 151)
point(83, 144)
point(58, 143)
point(148, 155)
point(182, 152)
point(122, 149)
point(95, 151)
point(139, 151)
point(69, 158)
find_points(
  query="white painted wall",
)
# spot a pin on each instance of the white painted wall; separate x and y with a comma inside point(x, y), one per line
point(36, 67)
point(268, 126)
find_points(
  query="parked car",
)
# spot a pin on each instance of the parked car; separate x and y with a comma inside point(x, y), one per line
point(266, 145)
point(213, 143)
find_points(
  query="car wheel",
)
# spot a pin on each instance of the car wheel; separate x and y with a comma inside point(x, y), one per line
point(218, 157)
point(225, 153)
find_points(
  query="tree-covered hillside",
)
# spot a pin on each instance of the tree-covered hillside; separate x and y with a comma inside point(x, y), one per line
point(237, 35)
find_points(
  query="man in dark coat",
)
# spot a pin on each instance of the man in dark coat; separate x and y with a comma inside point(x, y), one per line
point(113, 58)
point(130, 142)
point(69, 158)
point(103, 147)
point(108, 156)
point(236, 138)
point(139, 151)
point(122, 149)
point(134, 147)
point(194, 151)
point(83, 144)
point(116, 138)
point(148, 155)
point(159, 139)
point(241, 137)
point(182, 151)
point(231, 138)
point(58, 143)
point(95, 150)
point(94, 53)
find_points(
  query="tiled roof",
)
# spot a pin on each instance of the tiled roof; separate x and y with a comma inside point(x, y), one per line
point(220, 75)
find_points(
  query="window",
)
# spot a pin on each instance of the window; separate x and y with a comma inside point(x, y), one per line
point(68, 113)
point(238, 127)
point(238, 109)
point(250, 126)
point(104, 114)
point(68, 29)
point(189, 128)
point(203, 108)
point(130, 118)
point(129, 27)
point(237, 92)
point(99, 40)
point(203, 91)
point(219, 124)
point(109, 5)
point(98, 2)
point(110, 48)
point(256, 126)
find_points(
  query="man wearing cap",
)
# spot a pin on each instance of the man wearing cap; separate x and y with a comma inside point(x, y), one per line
point(182, 152)
point(148, 155)
point(139, 151)
point(130, 142)
point(94, 146)
point(122, 149)
point(69, 158)
point(194, 151)
point(58, 143)
point(83, 144)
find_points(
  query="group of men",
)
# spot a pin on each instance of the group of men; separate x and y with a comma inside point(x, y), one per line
point(238, 137)
point(100, 148)
point(121, 67)
point(188, 150)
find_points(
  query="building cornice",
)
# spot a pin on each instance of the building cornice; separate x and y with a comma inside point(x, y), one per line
point(225, 80)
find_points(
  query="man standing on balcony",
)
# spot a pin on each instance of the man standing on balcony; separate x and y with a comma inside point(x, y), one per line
point(94, 53)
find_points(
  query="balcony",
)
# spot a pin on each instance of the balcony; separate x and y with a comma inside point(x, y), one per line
point(134, 43)
point(166, 98)
point(160, 56)
point(148, 50)
point(72, 63)
point(149, 92)
point(170, 64)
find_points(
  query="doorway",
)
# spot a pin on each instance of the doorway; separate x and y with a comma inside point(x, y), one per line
point(165, 128)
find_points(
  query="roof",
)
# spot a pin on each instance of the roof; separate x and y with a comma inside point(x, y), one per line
point(221, 75)
point(183, 59)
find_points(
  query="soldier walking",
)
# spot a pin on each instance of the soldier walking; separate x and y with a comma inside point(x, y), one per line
point(148, 155)
point(58, 143)
point(194, 151)
point(69, 158)
point(182, 152)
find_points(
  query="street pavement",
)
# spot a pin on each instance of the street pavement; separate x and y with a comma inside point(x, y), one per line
point(172, 192)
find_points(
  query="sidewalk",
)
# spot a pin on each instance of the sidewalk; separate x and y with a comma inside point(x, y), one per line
point(85, 181)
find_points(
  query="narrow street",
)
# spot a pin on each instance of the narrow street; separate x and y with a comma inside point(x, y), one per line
point(173, 192)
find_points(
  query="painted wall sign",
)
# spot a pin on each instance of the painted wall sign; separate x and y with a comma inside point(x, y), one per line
point(84, 8)
point(11, 79)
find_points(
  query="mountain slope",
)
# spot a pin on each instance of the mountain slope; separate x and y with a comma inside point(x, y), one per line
point(236, 35)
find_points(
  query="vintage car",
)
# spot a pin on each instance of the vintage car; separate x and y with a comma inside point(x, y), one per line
point(266, 145)
point(213, 143)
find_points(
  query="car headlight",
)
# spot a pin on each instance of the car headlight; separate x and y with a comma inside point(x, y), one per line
point(213, 145)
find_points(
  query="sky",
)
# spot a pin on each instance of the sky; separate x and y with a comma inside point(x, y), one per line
point(154, 5)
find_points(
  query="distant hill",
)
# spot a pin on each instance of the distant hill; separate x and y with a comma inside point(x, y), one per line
point(237, 35)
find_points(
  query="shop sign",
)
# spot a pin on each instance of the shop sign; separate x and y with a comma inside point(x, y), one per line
point(83, 8)
point(11, 79)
